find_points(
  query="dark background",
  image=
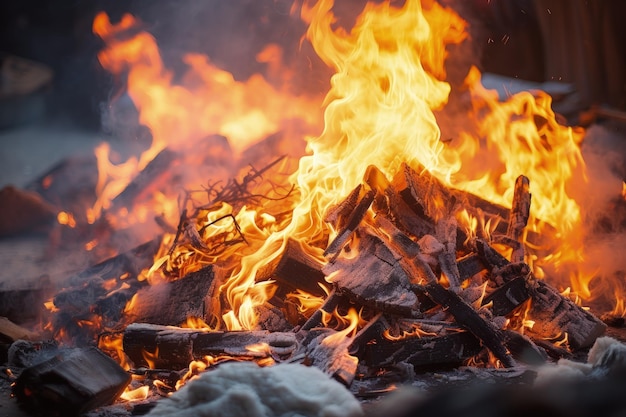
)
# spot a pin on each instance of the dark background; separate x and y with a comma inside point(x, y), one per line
point(576, 41)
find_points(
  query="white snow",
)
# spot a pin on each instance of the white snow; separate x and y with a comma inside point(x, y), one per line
point(244, 389)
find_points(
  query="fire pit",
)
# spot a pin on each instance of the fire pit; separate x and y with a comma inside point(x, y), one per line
point(375, 251)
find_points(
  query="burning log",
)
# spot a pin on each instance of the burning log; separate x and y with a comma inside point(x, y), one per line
point(425, 194)
point(508, 297)
point(131, 262)
point(171, 347)
point(329, 351)
point(555, 314)
point(448, 349)
point(144, 182)
point(375, 277)
point(353, 221)
point(446, 234)
point(102, 289)
point(296, 270)
point(71, 383)
point(173, 302)
point(520, 211)
point(467, 317)
point(390, 205)
point(329, 306)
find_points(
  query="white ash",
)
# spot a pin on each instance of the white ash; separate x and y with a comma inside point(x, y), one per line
point(246, 390)
point(607, 355)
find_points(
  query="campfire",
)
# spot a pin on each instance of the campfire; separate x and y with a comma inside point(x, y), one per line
point(429, 225)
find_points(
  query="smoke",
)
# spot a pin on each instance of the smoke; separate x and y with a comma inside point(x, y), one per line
point(604, 210)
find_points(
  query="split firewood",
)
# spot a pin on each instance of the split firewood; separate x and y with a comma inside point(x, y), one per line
point(169, 347)
point(131, 262)
point(469, 318)
point(446, 234)
point(425, 194)
point(469, 265)
point(329, 306)
point(447, 348)
point(173, 302)
point(520, 212)
point(375, 277)
point(556, 315)
point(296, 269)
point(334, 248)
point(506, 298)
point(524, 349)
point(145, 181)
point(328, 350)
point(71, 383)
point(338, 215)
point(389, 204)
point(102, 289)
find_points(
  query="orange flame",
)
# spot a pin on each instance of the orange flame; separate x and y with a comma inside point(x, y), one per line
point(390, 80)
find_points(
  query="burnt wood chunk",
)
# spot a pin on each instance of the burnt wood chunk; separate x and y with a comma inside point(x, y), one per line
point(170, 347)
point(71, 383)
point(142, 184)
point(375, 277)
point(131, 262)
point(329, 306)
point(428, 197)
point(469, 265)
point(328, 350)
point(524, 349)
point(490, 257)
point(389, 204)
point(520, 211)
point(339, 214)
point(448, 349)
point(334, 248)
point(296, 269)
point(467, 317)
point(173, 302)
point(508, 297)
point(554, 315)
point(446, 234)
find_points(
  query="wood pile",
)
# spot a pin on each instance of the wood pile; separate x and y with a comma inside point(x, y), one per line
point(429, 292)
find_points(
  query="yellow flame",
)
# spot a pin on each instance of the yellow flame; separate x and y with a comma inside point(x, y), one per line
point(136, 394)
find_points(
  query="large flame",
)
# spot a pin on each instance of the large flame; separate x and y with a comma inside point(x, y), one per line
point(382, 107)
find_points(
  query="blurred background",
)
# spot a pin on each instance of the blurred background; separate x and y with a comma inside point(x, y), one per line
point(53, 91)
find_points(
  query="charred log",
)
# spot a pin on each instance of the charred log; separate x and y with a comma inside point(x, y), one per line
point(71, 383)
point(508, 297)
point(449, 349)
point(520, 211)
point(296, 270)
point(171, 347)
point(375, 277)
point(467, 317)
point(334, 248)
point(144, 182)
point(173, 302)
point(555, 314)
